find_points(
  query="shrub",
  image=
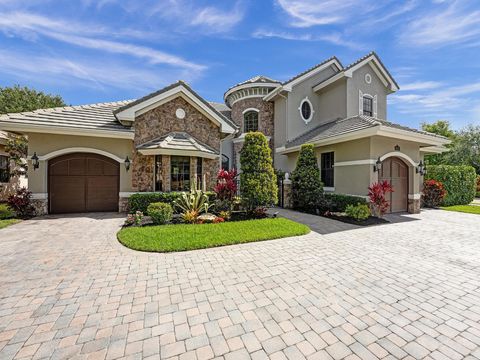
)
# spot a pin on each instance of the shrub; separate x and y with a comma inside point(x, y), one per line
point(376, 195)
point(190, 216)
point(21, 203)
point(339, 202)
point(226, 215)
point(458, 181)
point(358, 212)
point(307, 188)
point(226, 187)
point(433, 193)
point(258, 182)
point(478, 186)
point(195, 201)
point(140, 201)
point(134, 219)
point(6, 212)
point(161, 213)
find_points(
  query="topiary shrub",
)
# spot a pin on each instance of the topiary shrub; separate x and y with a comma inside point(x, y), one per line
point(358, 212)
point(6, 212)
point(140, 201)
point(258, 182)
point(339, 202)
point(307, 188)
point(433, 193)
point(161, 213)
point(458, 181)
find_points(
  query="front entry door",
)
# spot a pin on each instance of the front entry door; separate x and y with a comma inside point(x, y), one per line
point(395, 171)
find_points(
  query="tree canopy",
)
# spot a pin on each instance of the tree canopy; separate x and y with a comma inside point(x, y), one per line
point(19, 99)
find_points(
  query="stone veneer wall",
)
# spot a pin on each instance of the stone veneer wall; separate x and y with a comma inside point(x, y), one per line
point(161, 121)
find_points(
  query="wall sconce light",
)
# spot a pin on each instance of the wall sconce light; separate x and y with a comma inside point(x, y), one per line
point(35, 161)
point(421, 168)
point(377, 166)
point(127, 163)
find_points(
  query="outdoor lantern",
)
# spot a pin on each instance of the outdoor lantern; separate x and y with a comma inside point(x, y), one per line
point(377, 166)
point(35, 161)
point(127, 163)
point(421, 168)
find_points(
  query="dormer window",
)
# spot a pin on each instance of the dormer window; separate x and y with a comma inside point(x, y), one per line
point(367, 106)
point(250, 121)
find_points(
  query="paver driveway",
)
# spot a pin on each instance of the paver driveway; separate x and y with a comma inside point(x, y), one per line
point(406, 290)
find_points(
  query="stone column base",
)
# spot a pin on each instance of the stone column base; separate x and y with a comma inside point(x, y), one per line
point(287, 194)
point(40, 206)
point(414, 206)
point(123, 204)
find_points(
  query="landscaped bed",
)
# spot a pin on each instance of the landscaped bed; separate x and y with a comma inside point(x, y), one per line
point(170, 238)
point(470, 209)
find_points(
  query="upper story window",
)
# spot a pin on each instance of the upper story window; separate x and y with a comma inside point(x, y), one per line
point(327, 169)
point(250, 121)
point(306, 110)
point(367, 106)
point(4, 169)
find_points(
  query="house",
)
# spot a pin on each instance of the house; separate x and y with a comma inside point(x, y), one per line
point(93, 157)
point(9, 183)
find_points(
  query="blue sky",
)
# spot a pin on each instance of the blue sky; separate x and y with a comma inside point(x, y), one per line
point(93, 51)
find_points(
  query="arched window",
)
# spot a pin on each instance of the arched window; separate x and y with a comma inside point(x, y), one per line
point(250, 121)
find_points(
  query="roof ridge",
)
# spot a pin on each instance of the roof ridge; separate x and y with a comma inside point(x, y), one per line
point(313, 68)
point(360, 60)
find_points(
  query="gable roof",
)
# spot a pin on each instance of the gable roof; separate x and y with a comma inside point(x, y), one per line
point(180, 143)
point(94, 119)
point(129, 111)
point(378, 66)
point(355, 124)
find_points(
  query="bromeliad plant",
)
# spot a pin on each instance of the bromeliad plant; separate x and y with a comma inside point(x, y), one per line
point(192, 204)
point(377, 195)
point(433, 193)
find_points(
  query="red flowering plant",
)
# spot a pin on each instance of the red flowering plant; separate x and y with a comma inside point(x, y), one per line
point(21, 203)
point(226, 189)
point(377, 196)
point(433, 193)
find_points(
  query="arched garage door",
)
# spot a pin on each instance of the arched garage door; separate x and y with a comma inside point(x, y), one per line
point(395, 171)
point(82, 182)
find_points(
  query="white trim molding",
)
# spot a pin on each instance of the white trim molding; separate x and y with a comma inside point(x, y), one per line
point(355, 162)
point(400, 155)
point(126, 194)
point(329, 189)
point(414, 196)
point(247, 86)
point(71, 150)
point(312, 110)
point(40, 196)
point(194, 153)
point(250, 109)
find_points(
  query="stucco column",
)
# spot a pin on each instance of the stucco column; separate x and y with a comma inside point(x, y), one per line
point(38, 186)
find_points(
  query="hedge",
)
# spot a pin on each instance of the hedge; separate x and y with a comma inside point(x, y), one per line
point(339, 202)
point(459, 181)
point(140, 201)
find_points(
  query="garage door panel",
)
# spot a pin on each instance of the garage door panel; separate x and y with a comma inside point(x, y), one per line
point(67, 194)
point(102, 193)
point(83, 182)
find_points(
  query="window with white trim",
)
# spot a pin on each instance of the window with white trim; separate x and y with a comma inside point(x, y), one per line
point(306, 110)
point(4, 169)
point(367, 106)
point(250, 121)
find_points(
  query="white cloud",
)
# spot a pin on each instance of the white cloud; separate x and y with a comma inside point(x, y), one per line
point(31, 26)
point(421, 85)
point(307, 13)
point(100, 74)
point(333, 38)
point(451, 24)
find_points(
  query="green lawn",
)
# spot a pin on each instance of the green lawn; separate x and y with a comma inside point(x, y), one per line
point(471, 209)
point(5, 223)
point(168, 238)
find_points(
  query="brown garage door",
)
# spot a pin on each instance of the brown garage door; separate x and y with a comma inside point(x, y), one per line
point(395, 171)
point(82, 182)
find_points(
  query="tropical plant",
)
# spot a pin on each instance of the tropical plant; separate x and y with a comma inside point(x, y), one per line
point(6, 212)
point(458, 181)
point(193, 202)
point(190, 216)
point(21, 203)
point(433, 193)
point(377, 196)
point(134, 219)
point(307, 188)
point(258, 182)
point(358, 212)
point(226, 187)
point(161, 213)
point(226, 215)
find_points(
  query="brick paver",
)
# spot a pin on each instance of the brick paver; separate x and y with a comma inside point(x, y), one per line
point(408, 290)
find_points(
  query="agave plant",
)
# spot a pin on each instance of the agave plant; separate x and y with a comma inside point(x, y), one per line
point(193, 201)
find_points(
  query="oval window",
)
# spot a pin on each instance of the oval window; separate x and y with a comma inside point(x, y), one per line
point(306, 110)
